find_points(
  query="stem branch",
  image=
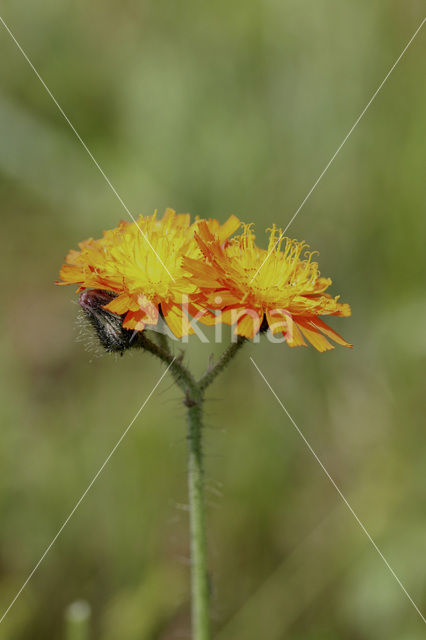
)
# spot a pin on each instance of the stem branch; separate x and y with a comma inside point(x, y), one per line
point(224, 359)
point(180, 373)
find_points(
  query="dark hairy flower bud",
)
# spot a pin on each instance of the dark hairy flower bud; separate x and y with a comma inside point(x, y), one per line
point(108, 325)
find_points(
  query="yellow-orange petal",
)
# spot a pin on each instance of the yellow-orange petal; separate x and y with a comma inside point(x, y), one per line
point(122, 304)
point(201, 314)
point(296, 339)
point(279, 320)
point(314, 336)
point(149, 309)
point(228, 228)
point(198, 269)
point(134, 321)
point(329, 332)
point(229, 316)
point(177, 320)
point(71, 274)
point(248, 325)
point(344, 310)
point(207, 241)
point(220, 298)
point(221, 231)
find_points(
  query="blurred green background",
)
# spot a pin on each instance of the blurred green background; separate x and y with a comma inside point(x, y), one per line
point(228, 107)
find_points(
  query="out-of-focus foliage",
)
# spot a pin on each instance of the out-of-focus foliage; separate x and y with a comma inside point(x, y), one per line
point(220, 108)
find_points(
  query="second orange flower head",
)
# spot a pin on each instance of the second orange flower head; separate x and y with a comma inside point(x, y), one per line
point(255, 289)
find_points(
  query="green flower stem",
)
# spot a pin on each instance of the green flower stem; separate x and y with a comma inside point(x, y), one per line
point(199, 573)
point(163, 341)
point(223, 361)
point(193, 400)
point(181, 375)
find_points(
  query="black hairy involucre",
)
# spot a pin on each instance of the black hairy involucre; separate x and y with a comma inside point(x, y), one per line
point(107, 325)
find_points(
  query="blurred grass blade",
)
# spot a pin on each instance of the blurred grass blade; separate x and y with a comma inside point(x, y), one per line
point(77, 621)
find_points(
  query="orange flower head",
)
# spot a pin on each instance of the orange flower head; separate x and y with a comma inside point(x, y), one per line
point(140, 263)
point(280, 288)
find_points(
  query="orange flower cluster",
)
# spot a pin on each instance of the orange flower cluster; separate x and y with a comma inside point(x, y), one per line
point(180, 270)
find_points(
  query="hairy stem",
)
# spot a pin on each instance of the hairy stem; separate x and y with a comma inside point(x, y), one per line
point(199, 575)
point(180, 373)
point(163, 341)
point(224, 359)
point(193, 400)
